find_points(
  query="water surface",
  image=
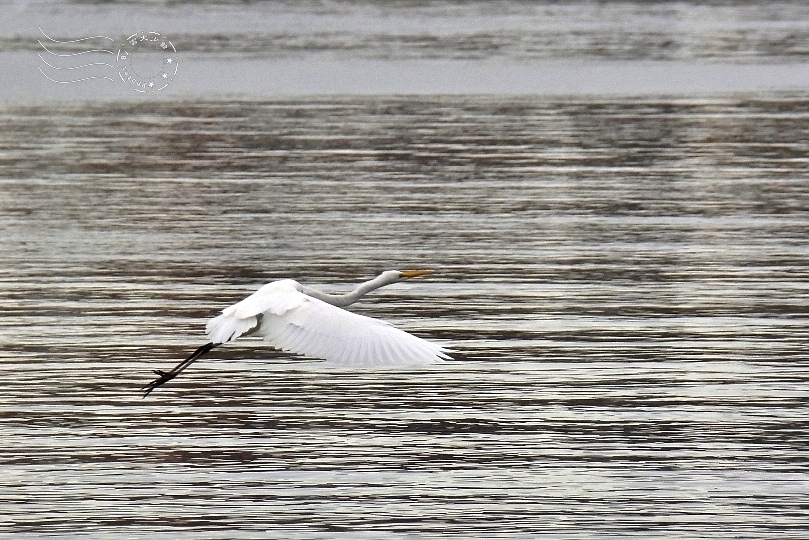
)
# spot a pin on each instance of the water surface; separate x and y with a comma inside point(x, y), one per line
point(625, 283)
point(623, 276)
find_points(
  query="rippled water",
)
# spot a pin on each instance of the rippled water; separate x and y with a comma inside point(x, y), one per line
point(625, 282)
point(624, 279)
point(718, 30)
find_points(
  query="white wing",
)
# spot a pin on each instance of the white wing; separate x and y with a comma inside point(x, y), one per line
point(294, 322)
point(242, 317)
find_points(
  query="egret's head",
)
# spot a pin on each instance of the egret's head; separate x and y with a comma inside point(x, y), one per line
point(407, 274)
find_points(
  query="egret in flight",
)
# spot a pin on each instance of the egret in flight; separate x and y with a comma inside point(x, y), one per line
point(303, 320)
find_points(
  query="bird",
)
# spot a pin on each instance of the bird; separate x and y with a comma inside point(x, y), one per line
point(303, 320)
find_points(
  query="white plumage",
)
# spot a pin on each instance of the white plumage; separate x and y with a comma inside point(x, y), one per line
point(293, 321)
point(302, 320)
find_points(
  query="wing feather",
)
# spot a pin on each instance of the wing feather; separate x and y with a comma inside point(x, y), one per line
point(292, 321)
point(222, 328)
point(314, 328)
point(277, 297)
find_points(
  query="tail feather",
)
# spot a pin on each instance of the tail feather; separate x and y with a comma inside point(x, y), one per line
point(224, 328)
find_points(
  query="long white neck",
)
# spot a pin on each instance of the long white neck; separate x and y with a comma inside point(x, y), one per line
point(343, 300)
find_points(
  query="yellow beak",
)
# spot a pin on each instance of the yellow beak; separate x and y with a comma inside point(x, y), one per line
point(407, 274)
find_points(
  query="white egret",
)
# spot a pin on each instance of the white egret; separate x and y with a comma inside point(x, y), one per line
point(303, 320)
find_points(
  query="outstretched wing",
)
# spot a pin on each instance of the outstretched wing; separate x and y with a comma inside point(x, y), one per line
point(292, 321)
point(243, 317)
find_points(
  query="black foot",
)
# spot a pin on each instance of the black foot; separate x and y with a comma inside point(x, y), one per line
point(163, 378)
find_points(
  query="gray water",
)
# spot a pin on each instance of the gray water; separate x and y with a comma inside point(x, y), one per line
point(624, 279)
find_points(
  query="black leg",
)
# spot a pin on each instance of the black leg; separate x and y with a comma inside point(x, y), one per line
point(165, 376)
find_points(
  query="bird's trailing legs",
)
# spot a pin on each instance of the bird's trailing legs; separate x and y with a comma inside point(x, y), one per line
point(166, 376)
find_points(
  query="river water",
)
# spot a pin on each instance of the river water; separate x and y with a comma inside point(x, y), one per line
point(623, 275)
